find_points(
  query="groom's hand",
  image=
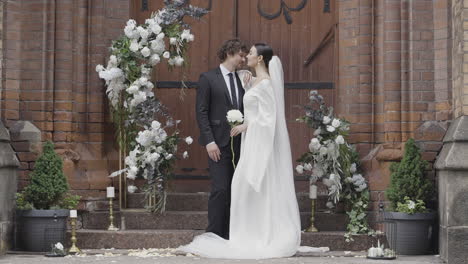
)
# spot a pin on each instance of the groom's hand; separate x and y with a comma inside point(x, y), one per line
point(213, 152)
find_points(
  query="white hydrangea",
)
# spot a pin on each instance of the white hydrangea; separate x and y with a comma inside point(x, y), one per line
point(111, 74)
point(235, 116)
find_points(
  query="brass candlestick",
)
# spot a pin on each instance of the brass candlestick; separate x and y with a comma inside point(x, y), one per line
point(74, 249)
point(312, 227)
point(111, 217)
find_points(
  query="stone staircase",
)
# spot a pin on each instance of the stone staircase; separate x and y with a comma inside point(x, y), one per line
point(186, 216)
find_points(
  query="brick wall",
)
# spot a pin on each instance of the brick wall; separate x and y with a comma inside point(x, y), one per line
point(51, 50)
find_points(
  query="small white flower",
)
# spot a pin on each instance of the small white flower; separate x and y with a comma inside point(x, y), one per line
point(300, 169)
point(132, 188)
point(331, 129)
point(173, 41)
point(336, 123)
point(339, 140)
point(352, 169)
point(235, 116)
point(99, 68)
point(145, 52)
point(411, 204)
point(326, 120)
point(314, 145)
point(167, 54)
point(185, 155)
point(155, 28)
point(189, 140)
point(307, 167)
point(59, 246)
point(169, 156)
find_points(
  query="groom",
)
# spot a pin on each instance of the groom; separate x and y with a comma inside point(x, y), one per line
point(219, 91)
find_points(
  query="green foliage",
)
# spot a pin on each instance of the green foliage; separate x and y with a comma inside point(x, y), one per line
point(48, 182)
point(69, 201)
point(411, 207)
point(21, 203)
point(408, 179)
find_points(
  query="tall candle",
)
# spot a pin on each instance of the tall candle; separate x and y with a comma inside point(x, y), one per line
point(110, 192)
point(73, 213)
point(313, 191)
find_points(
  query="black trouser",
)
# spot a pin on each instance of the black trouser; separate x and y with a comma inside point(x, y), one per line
point(219, 204)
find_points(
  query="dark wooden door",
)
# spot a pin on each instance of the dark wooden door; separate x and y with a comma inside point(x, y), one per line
point(306, 29)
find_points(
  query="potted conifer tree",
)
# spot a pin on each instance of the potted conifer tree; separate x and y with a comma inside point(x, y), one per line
point(409, 226)
point(43, 206)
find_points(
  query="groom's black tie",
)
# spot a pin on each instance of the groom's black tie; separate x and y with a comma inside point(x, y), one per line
point(233, 91)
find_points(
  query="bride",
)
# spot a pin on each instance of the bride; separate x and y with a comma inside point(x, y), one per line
point(264, 220)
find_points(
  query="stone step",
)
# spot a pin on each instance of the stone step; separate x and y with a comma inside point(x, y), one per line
point(135, 219)
point(199, 201)
point(138, 239)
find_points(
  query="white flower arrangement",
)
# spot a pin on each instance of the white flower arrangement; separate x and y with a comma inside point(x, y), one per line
point(334, 162)
point(132, 100)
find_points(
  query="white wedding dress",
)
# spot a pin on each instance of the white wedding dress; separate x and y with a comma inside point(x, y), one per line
point(264, 219)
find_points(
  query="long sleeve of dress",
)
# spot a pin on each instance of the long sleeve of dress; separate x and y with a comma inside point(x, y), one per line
point(259, 137)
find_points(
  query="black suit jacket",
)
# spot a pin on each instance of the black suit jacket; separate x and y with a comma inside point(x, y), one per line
point(212, 104)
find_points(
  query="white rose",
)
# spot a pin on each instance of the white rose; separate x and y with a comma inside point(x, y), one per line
point(132, 89)
point(99, 68)
point(160, 36)
point(59, 246)
point(331, 129)
point(314, 144)
point(307, 167)
point(326, 120)
point(145, 52)
point(132, 188)
point(339, 140)
point(352, 169)
point(143, 32)
point(155, 59)
point(235, 116)
point(336, 123)
point(300, 169)
point(323, 151)
point(185, 155)
point(189, 140)
point(167, 54)
point(155, 28)
point(169, 156)
point(155, 124)
point(134, 46)
point(179, 61)
point(173, 41)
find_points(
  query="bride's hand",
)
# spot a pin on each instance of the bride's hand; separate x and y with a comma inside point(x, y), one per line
point(247, 77)
point(238, 129)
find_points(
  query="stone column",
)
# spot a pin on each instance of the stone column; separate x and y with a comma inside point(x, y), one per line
point(8, 171)
point(452, 163)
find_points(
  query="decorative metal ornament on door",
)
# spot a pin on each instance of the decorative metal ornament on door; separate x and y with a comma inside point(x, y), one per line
point(284, 8)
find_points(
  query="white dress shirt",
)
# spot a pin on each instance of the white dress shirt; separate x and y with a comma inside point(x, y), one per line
point(225, 73)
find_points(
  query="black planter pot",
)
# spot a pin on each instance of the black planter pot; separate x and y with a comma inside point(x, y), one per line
point(38, 230)
point(410, 234)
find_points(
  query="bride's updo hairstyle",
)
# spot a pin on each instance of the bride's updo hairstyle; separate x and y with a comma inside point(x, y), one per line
point(264, 50)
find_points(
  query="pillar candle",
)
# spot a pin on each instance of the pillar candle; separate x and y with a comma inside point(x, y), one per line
point(73, 213)
point(313, 191)
point(110, 192)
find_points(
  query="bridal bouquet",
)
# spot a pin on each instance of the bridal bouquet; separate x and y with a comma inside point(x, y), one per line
point(235, 118)
point(335, 162)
